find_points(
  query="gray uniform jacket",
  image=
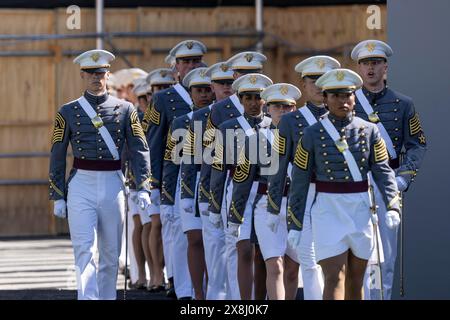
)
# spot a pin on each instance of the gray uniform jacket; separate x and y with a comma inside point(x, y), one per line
point(288, 133)
point(227, 150)
point(191, 148)
point(221, 111)
point(166, 105)
point(73, 125)
point(254, 157)
point(317, 153)
point(397, 114)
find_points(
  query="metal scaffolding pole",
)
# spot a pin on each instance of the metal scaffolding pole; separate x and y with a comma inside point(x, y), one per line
point(259, 24)
point(99, 21)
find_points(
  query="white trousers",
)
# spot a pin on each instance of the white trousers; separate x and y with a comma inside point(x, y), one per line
point(215, 257)
point(167, 238)
point(312, 275)
point(96, 206)
point(372, 284)
point(181, 276)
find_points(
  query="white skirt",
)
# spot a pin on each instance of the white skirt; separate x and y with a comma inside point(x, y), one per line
point(341, 222)
point(272, 244)
point(135, 209)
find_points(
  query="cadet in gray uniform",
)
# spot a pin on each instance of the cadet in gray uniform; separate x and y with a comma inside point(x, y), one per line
point(213, 238)
point(96, 125)
point(255, 165)
point(341, 149)
point(241, 63)
point(199, 84)
point(290, 129)
point(157, 80)
point(400, 127)
point(227, 150)
point(165, 107)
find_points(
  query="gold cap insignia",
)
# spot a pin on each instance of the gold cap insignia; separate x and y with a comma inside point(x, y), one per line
point(163, 73)
point(370, 46)
point(202, 73)
point(252, 79)
point(320, 63)
point(249, 57)
point(340, 75)
point(95, 56)
point(189, 44)
point(224, 67)
point(284, 90)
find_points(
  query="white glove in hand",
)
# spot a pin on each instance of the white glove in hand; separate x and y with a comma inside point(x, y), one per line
point(188, 205)
point(233, 228)
point(144, 199)
point(167, 212)
point(59, 208)
point(294, 237)
point(392, 219)
point(215, 219)
point(401, 183)
point(273, 221)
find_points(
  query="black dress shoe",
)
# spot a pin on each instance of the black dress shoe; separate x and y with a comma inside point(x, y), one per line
point(170, 293)
point(185, 298)
point(156, 289)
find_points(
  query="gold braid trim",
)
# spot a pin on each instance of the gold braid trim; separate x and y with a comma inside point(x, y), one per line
point(279, 143)
point(294, 219)
point(301, 156)
point(242, 169)
point(54, 187)
point(235, 212)
point(59, 128)
point(380, 151)
point(272, 204)
point(414, 125)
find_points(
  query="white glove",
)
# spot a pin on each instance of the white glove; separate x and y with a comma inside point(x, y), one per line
point(59, 208)
point(401, 183)
point(215, 219)
point(294, 237)
point(144, 199)
point(155, 197)
point(188, 204)
point(167, 212)
point(392, 219)
point(133, 197)
point(233, 228)
point(273, 221)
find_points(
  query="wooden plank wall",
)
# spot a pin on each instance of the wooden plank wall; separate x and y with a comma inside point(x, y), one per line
point(33, 88)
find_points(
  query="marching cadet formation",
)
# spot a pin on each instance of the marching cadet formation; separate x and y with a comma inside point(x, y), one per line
point(231, 186)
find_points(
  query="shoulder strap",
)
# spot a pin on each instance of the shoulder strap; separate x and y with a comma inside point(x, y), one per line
point(98, 123)
point(331, 130)
point(183, 93)
point(235, 100)
point(369, 110)
point(245, 126)
point(308, 115)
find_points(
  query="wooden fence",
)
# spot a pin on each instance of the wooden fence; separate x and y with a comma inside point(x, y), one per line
point(35, 84)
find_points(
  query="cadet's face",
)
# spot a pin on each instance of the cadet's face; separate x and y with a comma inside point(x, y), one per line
point(185, 65)
point(372, 72)
point(202, 96)
point(252, 104)
point(95, 82)
point(159, 87)
point(276, 110)
point(130, 94)
point(340, 104)
point(222, 89)
point(311, 91)
point(143, 103)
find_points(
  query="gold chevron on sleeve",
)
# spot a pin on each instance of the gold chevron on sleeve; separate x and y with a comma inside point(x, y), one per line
point(59, 128)
point(414, 125)
point(210, 131)
point(380, 151)
point(279, 143)
point(171, 142)
point(188, 146)
point(218, 157)
point(301, 156)
point(242, 169)
point(214, 202)
point(136, 127)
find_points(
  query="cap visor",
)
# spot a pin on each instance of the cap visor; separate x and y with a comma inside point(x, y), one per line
point(95, 70)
